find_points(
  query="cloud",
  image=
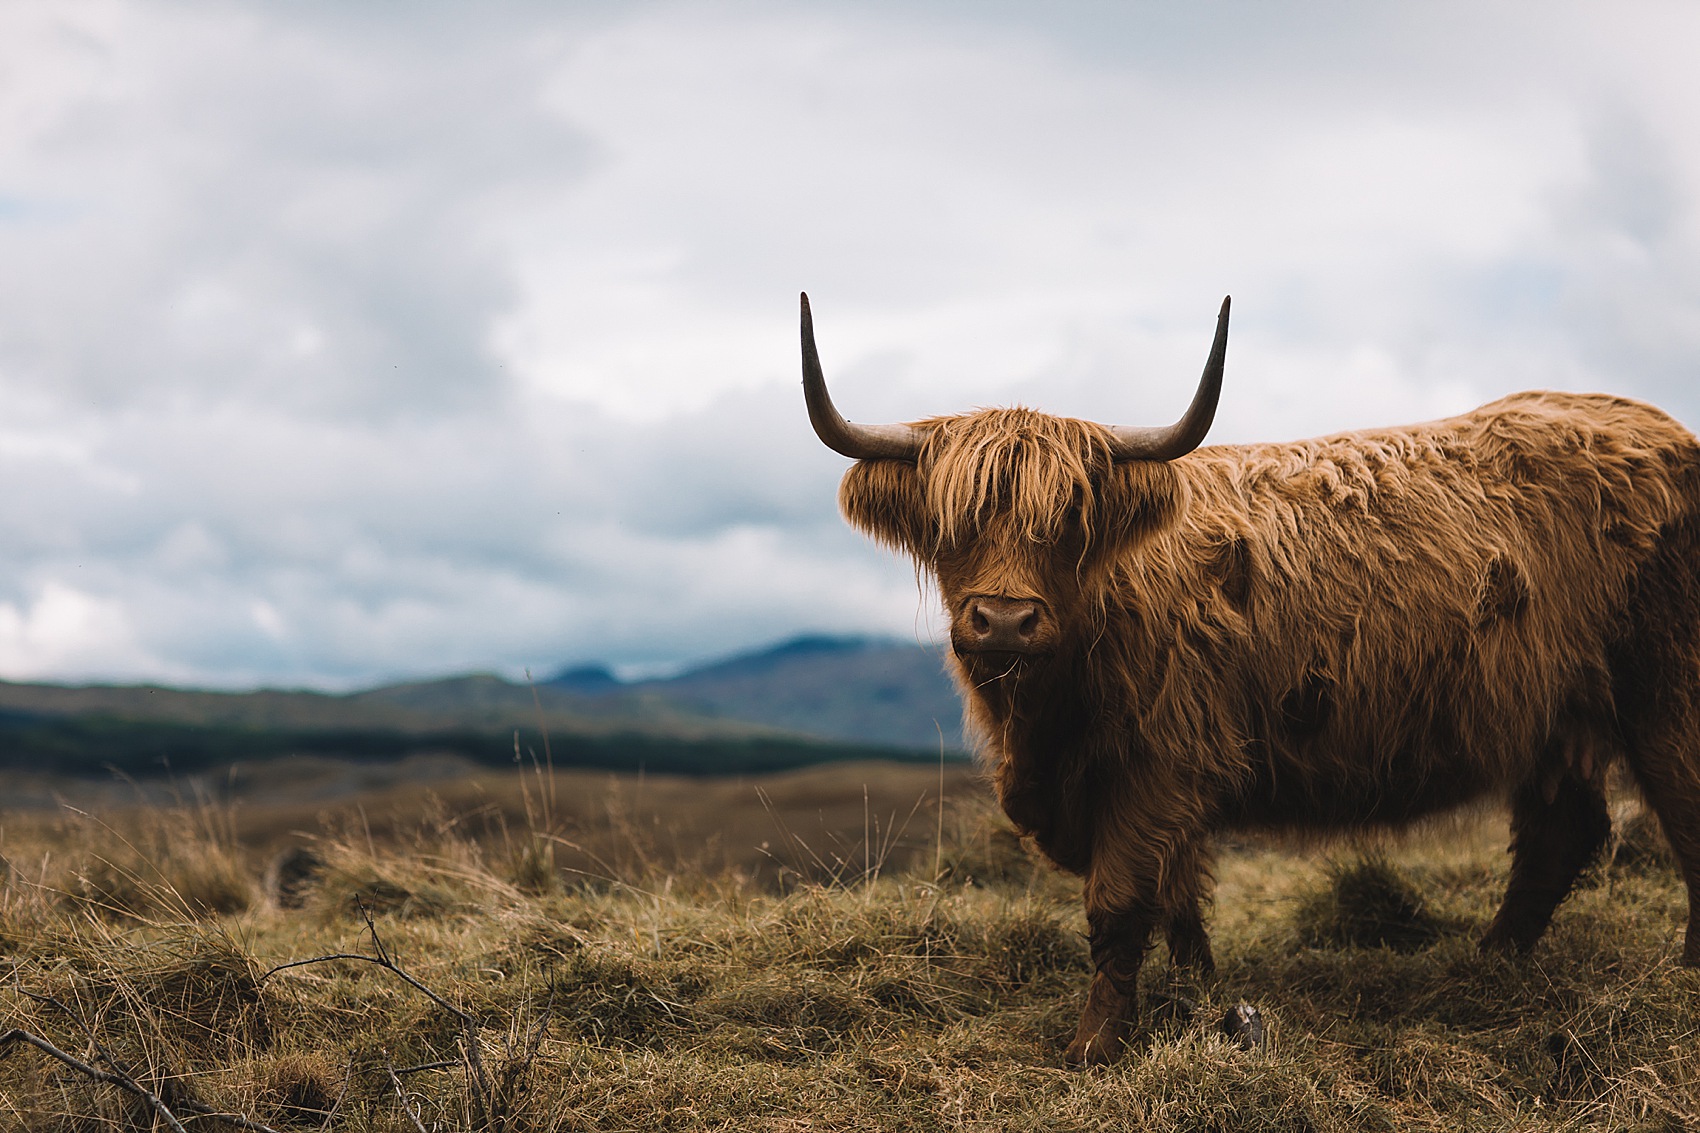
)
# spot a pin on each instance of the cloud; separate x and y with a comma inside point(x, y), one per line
point(341, 343)
point(62, 628)
point(231, 204)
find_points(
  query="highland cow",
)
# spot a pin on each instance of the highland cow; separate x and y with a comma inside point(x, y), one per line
point(1156, 642)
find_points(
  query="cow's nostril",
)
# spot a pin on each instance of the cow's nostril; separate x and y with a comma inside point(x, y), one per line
point(995, 624)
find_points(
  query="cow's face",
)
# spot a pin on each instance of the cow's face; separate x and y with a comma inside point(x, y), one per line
point(1021, 517)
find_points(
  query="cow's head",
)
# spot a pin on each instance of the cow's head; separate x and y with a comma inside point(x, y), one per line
point(1020, 516)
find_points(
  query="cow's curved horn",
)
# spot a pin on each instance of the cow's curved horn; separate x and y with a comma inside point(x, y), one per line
point(859, 442)
point(1134, 443)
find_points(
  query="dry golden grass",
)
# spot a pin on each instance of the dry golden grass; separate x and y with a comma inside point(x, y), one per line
point(840, 992)
point(815, 820)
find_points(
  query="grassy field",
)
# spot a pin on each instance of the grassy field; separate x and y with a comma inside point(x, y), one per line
point(599, 957)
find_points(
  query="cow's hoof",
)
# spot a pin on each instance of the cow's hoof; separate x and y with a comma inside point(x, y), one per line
point(1243, 1025)
point(1103, 1025)
point(1098, 1049)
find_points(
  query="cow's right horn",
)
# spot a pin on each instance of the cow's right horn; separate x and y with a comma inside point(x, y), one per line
point(859, 442)
point(1133, 443)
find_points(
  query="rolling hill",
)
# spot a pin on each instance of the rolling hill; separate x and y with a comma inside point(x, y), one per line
point(810, 700)
point(854, 689)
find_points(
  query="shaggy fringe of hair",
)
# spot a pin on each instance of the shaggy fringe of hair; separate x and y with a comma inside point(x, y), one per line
point(1038, 469)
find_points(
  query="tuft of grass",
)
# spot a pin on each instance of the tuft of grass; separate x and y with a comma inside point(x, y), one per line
point(182, 862)
point(1367, 903)
point(299, 1088)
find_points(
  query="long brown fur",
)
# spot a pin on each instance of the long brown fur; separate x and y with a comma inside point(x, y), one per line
point(1348, 632)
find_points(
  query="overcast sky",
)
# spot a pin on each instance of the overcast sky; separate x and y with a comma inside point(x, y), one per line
point(347, 342)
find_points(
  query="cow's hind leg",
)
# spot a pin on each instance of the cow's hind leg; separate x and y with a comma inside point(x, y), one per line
point(1555, 832)
point(1656, 690)
point(1666, 763)
point(1189, 943)
point(1679, 815)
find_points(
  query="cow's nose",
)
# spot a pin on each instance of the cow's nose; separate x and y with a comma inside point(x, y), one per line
point(990, 624)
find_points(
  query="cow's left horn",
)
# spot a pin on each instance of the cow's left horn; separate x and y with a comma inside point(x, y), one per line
point(859, 442)
point(1133, 443)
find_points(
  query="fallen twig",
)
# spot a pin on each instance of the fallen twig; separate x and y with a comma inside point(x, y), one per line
point(424, 1066)
point(347, 1081)
point(122, 1081)
point(401, 1095)
point(478, 1079)
point(120, 1074)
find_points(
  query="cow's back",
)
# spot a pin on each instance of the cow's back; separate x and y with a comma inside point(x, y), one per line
point(1391, 621)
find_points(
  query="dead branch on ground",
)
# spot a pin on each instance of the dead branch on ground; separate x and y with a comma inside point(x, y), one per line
point(491, 1103)
point(120, 1075)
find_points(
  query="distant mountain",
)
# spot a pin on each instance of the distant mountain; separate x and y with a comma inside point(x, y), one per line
point(866, 690)
point(805, 701)
point(591, 679)
point(476, 702)
point(147, 730)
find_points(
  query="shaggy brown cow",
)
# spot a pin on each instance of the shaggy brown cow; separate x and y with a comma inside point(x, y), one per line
point(1156, 643)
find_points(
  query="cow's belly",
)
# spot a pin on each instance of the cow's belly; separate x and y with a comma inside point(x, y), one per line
point(1358, 789)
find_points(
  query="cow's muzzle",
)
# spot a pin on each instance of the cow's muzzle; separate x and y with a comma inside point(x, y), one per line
point(986, 623)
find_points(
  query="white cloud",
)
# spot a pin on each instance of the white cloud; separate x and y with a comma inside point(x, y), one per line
point(63, 632)
point(339, 344)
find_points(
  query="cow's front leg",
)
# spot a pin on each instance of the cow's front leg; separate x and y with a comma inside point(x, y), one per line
point(1119, 942)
